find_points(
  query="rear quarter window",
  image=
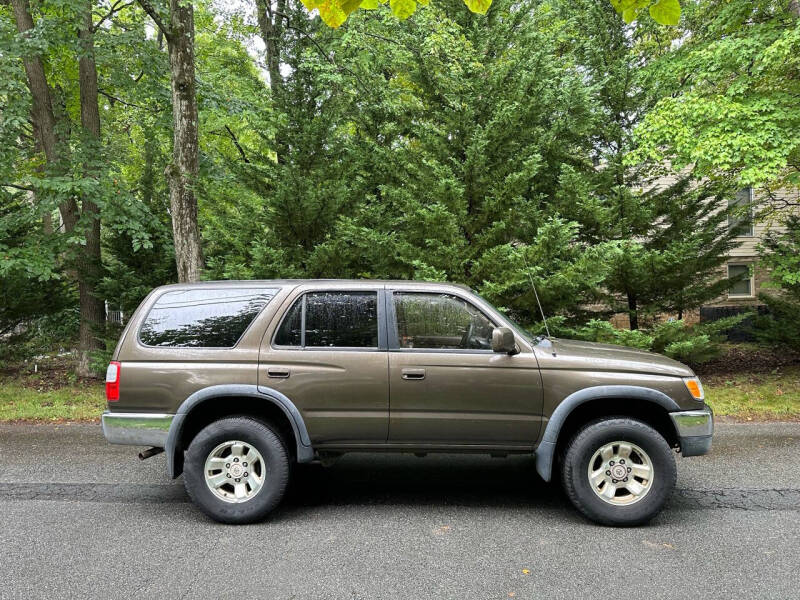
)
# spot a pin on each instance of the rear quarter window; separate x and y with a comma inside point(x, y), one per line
point(203, 318)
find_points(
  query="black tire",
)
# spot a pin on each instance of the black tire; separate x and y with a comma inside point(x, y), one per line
point(575, 468)
point(263, 438)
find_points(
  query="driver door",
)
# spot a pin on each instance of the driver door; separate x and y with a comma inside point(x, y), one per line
point(446, 386)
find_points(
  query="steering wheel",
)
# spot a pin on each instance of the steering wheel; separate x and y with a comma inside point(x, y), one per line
point(465, 341)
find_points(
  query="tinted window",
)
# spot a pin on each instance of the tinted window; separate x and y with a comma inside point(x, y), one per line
point(209, 318)
point(332, 319)
point(440, 321)
point(290, 333)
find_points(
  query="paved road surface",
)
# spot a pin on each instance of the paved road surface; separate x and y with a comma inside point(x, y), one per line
point(83, 519)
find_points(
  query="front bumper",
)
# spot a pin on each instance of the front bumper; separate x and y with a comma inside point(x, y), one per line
point(695, 429)
point(137, 429)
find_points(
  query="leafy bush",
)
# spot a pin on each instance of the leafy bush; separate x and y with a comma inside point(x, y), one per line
point(781, 325)
point(54, 332)
point(692, 344)
point(99, 359)
point(780, 252)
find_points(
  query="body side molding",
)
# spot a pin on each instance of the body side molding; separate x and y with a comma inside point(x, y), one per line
point(305, 453)
point(547, 447)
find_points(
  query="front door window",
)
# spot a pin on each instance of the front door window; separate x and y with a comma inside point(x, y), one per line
point(440, 321)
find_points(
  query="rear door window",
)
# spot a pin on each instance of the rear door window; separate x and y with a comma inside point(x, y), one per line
point(203, 318)
point(331, 319)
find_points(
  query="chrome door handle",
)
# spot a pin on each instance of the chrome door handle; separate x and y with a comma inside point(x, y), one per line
point(413, 374)
point(278, 373)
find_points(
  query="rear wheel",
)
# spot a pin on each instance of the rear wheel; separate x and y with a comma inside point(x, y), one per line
point(618, 471)
point(236, 470)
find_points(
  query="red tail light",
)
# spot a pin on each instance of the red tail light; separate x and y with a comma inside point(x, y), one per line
point(112, 381)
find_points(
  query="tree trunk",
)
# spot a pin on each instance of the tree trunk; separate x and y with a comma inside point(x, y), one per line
point(633, 314)
point(270, 25)
point(182, 173)
point(44, 121)
point(92, 309)
point(794, 8)
point(92, 314)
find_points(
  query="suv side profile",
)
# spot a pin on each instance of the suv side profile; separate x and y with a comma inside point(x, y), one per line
point(237, 380)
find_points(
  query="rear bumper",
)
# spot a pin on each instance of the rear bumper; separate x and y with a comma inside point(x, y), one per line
point(137, 429)
point(695, 429)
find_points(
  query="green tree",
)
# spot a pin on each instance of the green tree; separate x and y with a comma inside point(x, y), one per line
point(668, 229)
point(780, 252)
point(417, 152)
point(726, 95)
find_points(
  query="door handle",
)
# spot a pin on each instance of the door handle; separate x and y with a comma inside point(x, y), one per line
point(413, 374)
point(278, 373)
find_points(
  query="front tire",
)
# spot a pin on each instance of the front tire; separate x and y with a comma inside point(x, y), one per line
point(236, 470)
point(618, 472)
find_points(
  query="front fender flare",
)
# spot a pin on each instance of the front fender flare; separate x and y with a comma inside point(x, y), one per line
point(305, 452)
point(547, 447)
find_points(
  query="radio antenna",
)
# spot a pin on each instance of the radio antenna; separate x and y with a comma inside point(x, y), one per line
point(535, 293)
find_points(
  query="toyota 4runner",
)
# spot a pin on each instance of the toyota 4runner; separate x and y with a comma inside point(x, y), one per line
point(238, 380)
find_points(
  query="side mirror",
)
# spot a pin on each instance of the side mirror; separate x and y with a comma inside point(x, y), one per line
point(503, 340)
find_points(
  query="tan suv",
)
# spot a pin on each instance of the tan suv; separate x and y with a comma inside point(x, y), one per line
point(237, 380)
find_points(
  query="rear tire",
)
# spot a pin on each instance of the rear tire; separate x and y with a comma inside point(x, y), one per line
point(618, 472)
point(220, 480)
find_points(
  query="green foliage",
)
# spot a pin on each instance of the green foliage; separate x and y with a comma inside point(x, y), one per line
point(727, 100)
point(665, 12)
point(780, 252)
point(490, 151)
point(54, 332)
point(335, 12)
point(693, 345)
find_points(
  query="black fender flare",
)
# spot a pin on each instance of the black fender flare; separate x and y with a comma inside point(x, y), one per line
point(305, 452)
point(546, 449)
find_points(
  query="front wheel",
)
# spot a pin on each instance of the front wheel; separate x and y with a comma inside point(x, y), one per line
point(236, 470)
point(618, 471)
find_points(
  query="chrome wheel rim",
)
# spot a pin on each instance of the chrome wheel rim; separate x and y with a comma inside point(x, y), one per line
point(620, 473)
point(234, 471)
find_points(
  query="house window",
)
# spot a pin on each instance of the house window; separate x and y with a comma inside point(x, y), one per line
point(740, 216)
point(744, 284)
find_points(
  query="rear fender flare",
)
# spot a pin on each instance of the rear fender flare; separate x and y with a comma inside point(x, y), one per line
point(305, 452)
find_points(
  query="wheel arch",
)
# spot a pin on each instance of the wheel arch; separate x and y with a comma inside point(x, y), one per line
point(218, 401)
point(649, 405)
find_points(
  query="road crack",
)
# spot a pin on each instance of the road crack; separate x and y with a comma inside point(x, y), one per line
point(766, 499)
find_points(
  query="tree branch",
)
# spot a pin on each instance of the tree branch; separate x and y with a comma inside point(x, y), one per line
point(115, 8)
point(236, 143)
point(150, 10)
point(322, 51)
point(17, 187)
point(113, 99)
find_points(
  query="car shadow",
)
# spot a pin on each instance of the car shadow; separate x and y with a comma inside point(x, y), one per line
point(437, 479)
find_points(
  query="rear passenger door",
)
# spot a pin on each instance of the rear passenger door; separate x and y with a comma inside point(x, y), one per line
point(328, 354)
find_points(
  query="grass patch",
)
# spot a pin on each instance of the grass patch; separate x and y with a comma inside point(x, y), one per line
point(54, 394)
point(754, 396)
point(75, 403)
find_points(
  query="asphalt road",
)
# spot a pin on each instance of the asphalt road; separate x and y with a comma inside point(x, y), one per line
point(84, 519)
